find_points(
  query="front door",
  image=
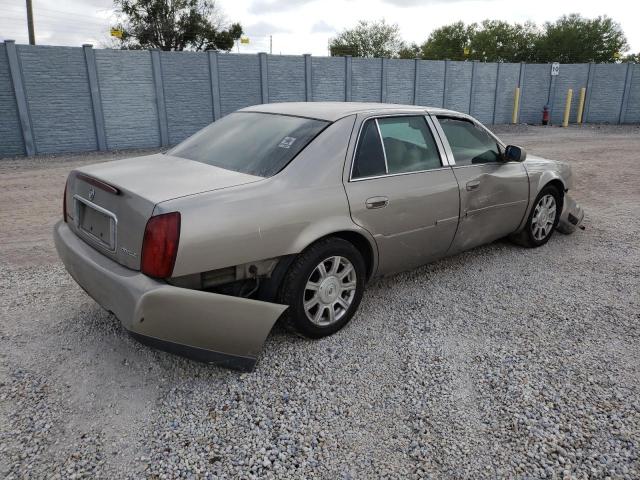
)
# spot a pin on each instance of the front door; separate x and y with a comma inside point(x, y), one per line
point(493, 193)
point(402, 192)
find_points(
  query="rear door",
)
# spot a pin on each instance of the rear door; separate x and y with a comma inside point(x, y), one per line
point(493, 193)
point(401, 189)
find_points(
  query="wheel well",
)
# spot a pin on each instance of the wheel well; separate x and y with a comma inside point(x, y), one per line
point(362, 244)
point(559, 186)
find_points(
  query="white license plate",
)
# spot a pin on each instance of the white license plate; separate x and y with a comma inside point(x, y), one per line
point(95, 222)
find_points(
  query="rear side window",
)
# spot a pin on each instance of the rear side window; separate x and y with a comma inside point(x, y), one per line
point(469, 144)
point(391, 145)
point(408, 144)
point(259, 144)
point(369, 160)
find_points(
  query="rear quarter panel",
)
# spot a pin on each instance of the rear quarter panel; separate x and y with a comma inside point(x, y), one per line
point(278, 216)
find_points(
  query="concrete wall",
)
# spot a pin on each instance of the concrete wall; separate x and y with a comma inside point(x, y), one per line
point(63, 99)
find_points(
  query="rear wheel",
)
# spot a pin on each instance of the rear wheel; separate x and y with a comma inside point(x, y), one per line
point(542, 220)
point(323, 288)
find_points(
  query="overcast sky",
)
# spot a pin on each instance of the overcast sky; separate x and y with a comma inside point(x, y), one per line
point(305, 26)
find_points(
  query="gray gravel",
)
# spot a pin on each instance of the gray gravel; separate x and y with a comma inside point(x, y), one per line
point(500, 362)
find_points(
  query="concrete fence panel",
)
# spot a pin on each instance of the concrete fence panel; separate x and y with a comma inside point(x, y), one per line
point(68, 99)
point(366, 80)
point(188, 98)
point(128, 97)
point(58, 97)
point(484, 91)
point(400, 77)
point(239, 79)
point(606, 93)
point(430, 79)
point(328, 79)
point(458, 86)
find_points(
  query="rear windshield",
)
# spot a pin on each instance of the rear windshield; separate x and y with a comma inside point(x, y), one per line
point(255, 143)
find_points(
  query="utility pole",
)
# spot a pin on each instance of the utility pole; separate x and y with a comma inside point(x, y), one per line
point(270, 44)
point(32, 35)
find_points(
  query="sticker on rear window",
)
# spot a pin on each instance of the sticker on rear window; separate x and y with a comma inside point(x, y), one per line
point(286, 142)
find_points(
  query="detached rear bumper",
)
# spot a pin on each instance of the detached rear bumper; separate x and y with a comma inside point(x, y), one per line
point(571, 217)
point(206, 326)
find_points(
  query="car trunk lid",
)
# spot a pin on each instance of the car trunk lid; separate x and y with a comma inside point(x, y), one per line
point(110, 203)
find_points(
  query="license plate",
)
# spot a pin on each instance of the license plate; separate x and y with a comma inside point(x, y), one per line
point(97, 223)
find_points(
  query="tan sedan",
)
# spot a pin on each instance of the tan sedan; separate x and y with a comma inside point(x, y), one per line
point(288, 210)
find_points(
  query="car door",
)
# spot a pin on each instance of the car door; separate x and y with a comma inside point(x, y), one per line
point(493, 192)
point(401, 189)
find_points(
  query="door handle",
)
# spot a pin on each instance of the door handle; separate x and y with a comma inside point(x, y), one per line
point(473, 185)
point(377, 202)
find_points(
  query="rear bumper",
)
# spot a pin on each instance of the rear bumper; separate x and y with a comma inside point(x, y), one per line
point(206, 326)
point(571, 217)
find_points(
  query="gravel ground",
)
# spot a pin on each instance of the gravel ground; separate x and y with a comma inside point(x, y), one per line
point(500, 362)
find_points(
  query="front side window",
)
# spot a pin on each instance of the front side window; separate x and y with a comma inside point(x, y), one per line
point(469, 144)
point(392, 145)
point(259, 144)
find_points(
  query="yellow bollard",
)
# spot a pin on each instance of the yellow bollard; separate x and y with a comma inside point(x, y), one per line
point(581, 105)
point(516, 106)
point(567, 108)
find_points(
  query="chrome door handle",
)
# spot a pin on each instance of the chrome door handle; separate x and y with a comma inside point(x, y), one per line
point(472, 185)
point(377, 202)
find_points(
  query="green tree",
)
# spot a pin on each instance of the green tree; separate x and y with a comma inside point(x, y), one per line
point(575, 39)
point(498, 41)
point(449, 42)
point(174, 25)
point(376, 39)
point(410, 51)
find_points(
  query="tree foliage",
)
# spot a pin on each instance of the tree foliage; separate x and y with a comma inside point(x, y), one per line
point(570, 39)
point(375, 39)
point(575, 39)
point(174, 25)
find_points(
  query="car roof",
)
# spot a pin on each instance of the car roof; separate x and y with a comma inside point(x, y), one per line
point(332, 111)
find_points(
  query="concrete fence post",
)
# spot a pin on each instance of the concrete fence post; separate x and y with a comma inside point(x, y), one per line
point(160, 103)
point(264, 77)
point(626, 93)
point(347, 78)
point(21, 97)
point(551, 97)
point(446, 81)
point(308, 85)
point(587, 103)
point(521, 86)
point(416, 79)
point(96, 100)
point(383, 81)
point(474, 65)
point(497, 91)
point(214, 77)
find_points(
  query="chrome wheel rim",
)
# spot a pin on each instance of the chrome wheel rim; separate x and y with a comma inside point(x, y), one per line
point(544, 216)
point(329, 291)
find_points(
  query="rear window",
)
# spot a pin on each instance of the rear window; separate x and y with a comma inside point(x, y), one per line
point(259, 144)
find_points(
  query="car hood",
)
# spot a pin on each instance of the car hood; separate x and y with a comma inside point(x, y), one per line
point(161, 177)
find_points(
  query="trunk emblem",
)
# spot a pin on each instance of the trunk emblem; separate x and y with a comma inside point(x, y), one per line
point(92, 193)
point(128, 252)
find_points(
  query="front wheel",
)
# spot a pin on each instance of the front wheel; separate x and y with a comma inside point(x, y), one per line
point(542, 220)
point(323, 288)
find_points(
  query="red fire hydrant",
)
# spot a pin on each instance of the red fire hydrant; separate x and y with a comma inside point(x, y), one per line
point(545, 115)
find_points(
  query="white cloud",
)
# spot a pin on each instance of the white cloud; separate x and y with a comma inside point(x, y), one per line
point(322, 27)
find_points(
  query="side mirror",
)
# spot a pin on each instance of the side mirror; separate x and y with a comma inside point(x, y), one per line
point(513, 153)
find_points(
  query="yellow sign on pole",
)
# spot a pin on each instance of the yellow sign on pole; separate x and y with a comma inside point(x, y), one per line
point(467, 51)
point(244, 40)
point(117, 32)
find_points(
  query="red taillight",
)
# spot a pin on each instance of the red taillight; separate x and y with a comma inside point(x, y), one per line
point(160, 245)
point(64, 202)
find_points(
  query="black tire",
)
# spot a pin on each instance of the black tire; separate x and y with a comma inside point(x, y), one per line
point(526, 237)
point(293, 289)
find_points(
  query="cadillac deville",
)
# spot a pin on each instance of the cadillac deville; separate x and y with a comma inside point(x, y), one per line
point(286, 211)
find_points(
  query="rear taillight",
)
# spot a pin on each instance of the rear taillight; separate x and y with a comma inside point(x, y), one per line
point(160, 245)
point(64, 203)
